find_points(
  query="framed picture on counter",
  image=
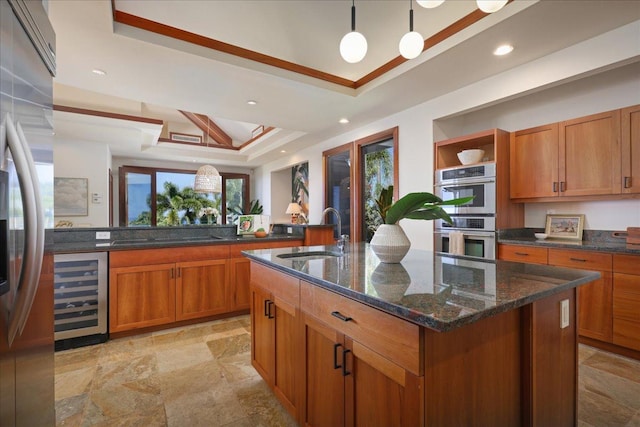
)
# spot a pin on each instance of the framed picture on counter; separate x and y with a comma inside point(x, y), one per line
point(565, 226)
point(249, 224)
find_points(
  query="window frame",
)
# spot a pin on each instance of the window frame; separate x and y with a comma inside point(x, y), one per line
point(152, 171)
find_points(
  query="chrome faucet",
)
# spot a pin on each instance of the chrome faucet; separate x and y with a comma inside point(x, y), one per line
point(343, 238)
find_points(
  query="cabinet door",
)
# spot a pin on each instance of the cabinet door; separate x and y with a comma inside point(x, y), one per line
point(631, 149)
point(534, 162)
point(286, 355)
point(141, 296)
point(240, 275)
point(201, 289)
point(590, 155)
point(626, 310)
point(324, 349)
point(379, 392)
point(262, 333)
point(595, 299)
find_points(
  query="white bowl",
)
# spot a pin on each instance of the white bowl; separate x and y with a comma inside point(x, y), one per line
point(540, 236)
point(468, 157)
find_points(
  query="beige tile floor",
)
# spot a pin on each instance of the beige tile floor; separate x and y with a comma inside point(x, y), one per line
point(201, 375)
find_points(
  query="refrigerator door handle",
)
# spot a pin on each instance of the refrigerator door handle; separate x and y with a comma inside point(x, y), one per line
point(33, 229)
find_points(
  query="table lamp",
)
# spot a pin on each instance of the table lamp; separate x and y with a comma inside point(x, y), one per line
point(294, 210)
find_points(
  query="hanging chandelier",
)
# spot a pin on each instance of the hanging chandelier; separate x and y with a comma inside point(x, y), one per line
point(353, 46)
point(208, 180)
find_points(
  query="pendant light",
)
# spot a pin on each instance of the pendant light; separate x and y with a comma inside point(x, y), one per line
point(412, 43)
point(353, 46)
point(490, 6)
point(208, 180)
point(429, 4)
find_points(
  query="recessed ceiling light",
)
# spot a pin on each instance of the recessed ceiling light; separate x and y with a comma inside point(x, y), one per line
point(99, 72)
point(252, 102)
point(283, 151)
point(503, 50)
point(344, 121)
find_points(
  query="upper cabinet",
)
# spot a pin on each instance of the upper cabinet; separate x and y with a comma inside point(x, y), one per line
point(584, 158)
point(631, 150)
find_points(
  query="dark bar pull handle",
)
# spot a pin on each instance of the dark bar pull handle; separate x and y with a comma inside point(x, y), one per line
point(335, 356)
point(266, 308)
point(522, 253)
point(562, 186)
point(172, 273)
point(341, 316)
point(344, 363)
point(627, 182)
point(578, 259)
point(555, 186)
point(269, 313)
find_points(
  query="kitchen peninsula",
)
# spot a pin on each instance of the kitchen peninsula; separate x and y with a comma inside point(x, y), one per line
point(343, 339)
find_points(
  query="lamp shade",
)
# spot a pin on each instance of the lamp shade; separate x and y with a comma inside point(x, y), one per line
point(293, 208)
point(490, 6)
point(207, 180)
point(411, 45)
point(430, 4)
point(353, 47)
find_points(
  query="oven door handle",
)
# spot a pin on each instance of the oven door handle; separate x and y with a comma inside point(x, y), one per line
point(467, 234)
point(465, 183)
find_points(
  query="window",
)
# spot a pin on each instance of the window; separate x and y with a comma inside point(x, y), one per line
point(165, 197)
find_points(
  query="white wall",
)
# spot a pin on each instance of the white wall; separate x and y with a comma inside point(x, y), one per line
point(80, 159)
point(538, 92)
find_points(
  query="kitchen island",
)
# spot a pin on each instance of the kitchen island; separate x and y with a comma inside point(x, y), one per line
point(343, 339)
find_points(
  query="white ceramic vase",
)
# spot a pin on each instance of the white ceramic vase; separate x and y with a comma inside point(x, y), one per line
point(390, 243)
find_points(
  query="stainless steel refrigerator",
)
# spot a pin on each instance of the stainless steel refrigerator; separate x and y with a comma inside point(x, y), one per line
point(27, 64)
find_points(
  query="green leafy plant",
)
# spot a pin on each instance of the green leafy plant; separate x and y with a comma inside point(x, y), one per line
point(424, 206)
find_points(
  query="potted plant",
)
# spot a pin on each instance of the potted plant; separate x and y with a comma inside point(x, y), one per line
point(389, 242)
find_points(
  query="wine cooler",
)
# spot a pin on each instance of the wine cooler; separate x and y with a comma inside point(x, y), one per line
point(80, 299)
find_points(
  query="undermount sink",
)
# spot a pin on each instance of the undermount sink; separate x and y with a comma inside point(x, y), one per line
point(311, 254)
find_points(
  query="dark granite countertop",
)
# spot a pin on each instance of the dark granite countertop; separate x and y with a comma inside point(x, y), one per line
point(84, 240)
point(436, 291)
point(593, 240)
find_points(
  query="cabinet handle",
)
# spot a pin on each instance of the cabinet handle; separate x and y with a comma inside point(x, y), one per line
point(172, 273)
point(335, 356)
point(340, 316)
point(269, 314)
point(267, 308)
point(562, 186)
point(578, 259)
point(627, 182)
point(555, 186)
point(522, 253)
point(344, 362)
point(179, 272)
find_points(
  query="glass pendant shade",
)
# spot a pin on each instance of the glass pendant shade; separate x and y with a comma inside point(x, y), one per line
point(353, 47)
point(411, 45)
point(430, 4)
point(490, 6)
point(208, 180)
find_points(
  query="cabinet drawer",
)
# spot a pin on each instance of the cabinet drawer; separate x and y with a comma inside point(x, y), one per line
point(584, 260)
point(626, 333)
point(389, 336)
point(629, 264)
point(521, 253)
point(281, 285)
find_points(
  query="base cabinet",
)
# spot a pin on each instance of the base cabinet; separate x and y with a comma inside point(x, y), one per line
point(626, 301)
point(239, 274)
point(141, 296)
point(201, 289)
point(347, 384)
point(274, 332)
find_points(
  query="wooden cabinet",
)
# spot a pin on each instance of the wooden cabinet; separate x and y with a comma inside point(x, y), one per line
point(141, 296)
point(534, 162)
point(589, 150)
point(631, 150)
point(595, 300)
point(274, 326)
point(346, 381)
point(239, 274)
point(626, 301)
point(523, 253)
point(201, 289)
point(587, 158)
